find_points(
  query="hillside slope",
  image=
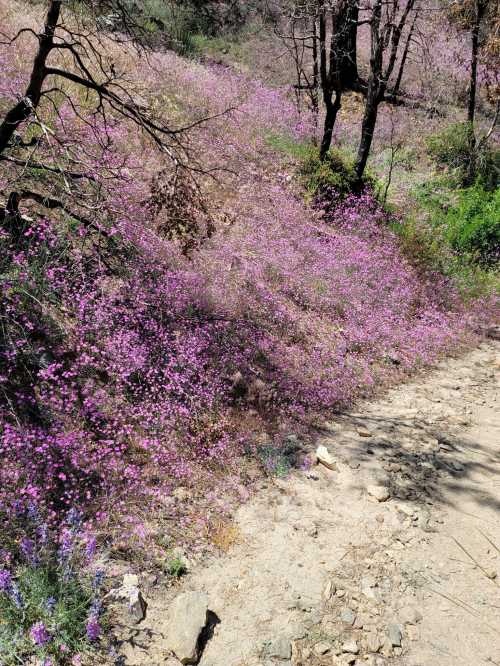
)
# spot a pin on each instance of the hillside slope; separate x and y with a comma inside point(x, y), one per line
point(318, 562)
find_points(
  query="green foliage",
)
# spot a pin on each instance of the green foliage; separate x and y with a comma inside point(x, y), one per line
point(455, 233)
point(286, 144)
point(175, 567)
point(456, 149)
point(65, 619)
point(450, 147)
point(472, 224)
point(191, 26)
point(274, 461)
point(335, 172)
point(427, 248)
point(176, 24)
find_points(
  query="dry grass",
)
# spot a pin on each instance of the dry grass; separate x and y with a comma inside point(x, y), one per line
point(224, 535)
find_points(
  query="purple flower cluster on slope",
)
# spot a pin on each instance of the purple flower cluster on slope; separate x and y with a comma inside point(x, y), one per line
point(128, 387)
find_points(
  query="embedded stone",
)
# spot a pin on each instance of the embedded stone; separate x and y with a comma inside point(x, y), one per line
point(323, 456)
point(187, 616)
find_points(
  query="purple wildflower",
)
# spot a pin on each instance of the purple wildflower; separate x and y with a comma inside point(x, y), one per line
point(33, 513)
point(18, 508)
point(5, 580)
point(98, 579)
point(51, 604)
point(28, 551)
point(90, 548)
point(74, 520)
point(16, 596)
point(66, 547)
point(39, 634)
point(93, 629)
point(42, 533)
point(96, 607)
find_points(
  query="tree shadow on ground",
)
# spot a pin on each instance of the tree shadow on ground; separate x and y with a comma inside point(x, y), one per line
point(419, 461)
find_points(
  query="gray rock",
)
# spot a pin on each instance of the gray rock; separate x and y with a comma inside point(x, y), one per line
point(296, 632)
point(187, 616)
point(130, 593)
point(136, 605)
point(395, 635)
point(321, 648)
point(348, 616)
point(373, 642)
point(312, 619)
point(351, 647)
point(279, 648)
point(380, 493)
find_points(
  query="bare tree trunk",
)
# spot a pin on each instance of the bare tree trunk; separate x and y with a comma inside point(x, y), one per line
point(479, 11)
point(367, 131)
point(348, 65)
point(383, 37)
point(23, 109)
point(330, 118)
point(404, 57)
point(315, 68)
point(330, 74)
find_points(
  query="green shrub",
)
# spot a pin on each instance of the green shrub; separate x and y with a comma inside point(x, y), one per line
point(428, 249)
point(175, 567)
point(176, 24)
point(336, 172)
point(65, 621)
point(274, 461)
point(50, 601)
point(185, 27)
point(456, 149)
point(472, 224)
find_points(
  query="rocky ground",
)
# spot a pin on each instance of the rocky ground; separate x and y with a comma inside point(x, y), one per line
point(387, 554)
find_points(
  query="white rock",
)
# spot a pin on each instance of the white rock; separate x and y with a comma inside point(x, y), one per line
point(329, 590)
point(131, 594)
point(410, 615)
point(187, 617)
point(380, 493)
point(373, 642)
point(130, 580)
point(351, 647)
point(323, 456)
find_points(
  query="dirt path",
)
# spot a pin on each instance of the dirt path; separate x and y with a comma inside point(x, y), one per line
point(324, 573)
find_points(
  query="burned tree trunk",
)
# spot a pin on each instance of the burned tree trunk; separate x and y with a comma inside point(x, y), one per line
point(385, 35)
point(23, 109)
point(479, 11)
point(347, 47)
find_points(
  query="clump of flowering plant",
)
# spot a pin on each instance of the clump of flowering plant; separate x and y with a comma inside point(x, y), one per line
point(50, 608)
